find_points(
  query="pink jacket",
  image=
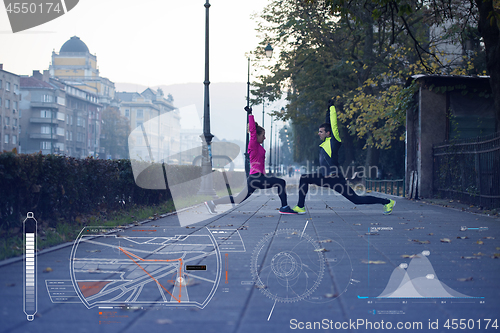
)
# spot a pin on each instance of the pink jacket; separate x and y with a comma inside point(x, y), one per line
point(255, 150)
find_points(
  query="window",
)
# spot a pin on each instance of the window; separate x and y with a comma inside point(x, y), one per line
point(67, 135)
point(79, 121)
point(7, 86)
point(6, 138)
point(7, 103)
point(140, 114)
point(138, 123)
point(45, 114)
point(0, 84)
point(45, 129)
point(7, 121)
point(127, 113)
point(45, 145)
point(16, 87)
point(60, 131)
point(14, 140)
point(60, 116)
point(14, 121)
point(47, 98)
point(14, 105)
point(70, 136)
point(79, 137)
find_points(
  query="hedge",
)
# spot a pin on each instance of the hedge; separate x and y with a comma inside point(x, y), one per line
point(58, 187)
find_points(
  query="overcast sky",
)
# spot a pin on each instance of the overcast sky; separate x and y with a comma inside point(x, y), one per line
point(148, 42)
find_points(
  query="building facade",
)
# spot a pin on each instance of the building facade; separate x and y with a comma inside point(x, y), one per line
point(75, 65)
point(58, 118)
point(9, 110)
point(154, 122)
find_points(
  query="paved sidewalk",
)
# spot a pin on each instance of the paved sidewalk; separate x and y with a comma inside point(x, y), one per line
point(327, 269)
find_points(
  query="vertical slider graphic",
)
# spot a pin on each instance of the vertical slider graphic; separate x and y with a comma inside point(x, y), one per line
point(30, 292)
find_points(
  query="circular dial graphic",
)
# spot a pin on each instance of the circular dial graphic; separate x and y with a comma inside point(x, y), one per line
point(287, 265)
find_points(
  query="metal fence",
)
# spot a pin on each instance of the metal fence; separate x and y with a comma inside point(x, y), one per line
point(469, 170)
point(388, 186)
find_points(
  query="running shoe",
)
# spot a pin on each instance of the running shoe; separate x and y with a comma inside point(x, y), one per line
point(211, 207)
point(388, 207)
point(287, 210)
point(299, 210)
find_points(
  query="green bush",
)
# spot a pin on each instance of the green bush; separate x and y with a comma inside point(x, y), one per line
point(58, 188)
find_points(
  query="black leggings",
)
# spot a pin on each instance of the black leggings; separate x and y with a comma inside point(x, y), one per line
point(257, 181)
point(338, 184)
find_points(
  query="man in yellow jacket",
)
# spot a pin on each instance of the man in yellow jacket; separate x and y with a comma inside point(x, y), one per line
point(329, 174)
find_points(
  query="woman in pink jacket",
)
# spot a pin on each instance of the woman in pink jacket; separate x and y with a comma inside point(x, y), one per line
point(257, 178)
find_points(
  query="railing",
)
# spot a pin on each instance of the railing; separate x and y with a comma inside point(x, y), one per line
point(387, 186)
point(469, 170)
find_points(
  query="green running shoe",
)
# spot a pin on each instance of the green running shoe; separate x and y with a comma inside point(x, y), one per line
point(299, 210)
point(388, 207)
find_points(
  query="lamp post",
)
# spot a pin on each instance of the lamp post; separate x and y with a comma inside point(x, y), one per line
point(271, 149)
point(269, 53)
point(276, 149)
point(207, 187)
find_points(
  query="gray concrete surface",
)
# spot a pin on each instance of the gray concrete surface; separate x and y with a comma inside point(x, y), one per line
point(281, 281)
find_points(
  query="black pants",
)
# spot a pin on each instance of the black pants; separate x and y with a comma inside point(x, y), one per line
point(254, 182)
point(338, 184)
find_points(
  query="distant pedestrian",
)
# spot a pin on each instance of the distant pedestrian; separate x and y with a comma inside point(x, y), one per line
point(257, 178)
point(328, 174)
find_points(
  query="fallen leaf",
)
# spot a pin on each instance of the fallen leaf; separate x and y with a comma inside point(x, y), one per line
point(357, 224)
point(47, 270)
point(489, 237)
point(421, 242)
point(431, 234)
point(495, 255)
point(478, 254)
point(163, 321)
point(470, 257)
point(465, 237)
point(321, 250)
point(373, 262)
point(410, 256)
point(445, 240)
point(480, 242)
point(465, 279)
point(330, 295)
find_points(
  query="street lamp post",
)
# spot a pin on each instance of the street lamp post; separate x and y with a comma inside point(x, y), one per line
point(271, 149)
point(206, 166)
point(269, 53)
point(276, 150)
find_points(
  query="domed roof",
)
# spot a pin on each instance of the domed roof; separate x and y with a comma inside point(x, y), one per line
point(74, 44)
